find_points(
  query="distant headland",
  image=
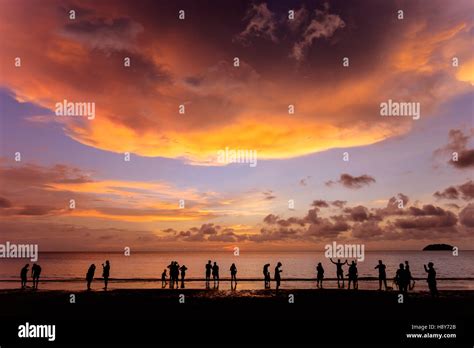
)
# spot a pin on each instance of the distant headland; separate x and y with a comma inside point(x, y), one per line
point(438, 247)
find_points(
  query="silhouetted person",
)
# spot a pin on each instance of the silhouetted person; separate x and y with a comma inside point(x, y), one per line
point(233, 276)
point(106, 273)
point(353, 276)
point(339, 271)
point(382, 275)
point(320, 275)
point(410, 280)
point(24, 276)
point(176, 269)
point(431, 279)
point(401, 278)
point(35, 274)
point(208, 273)
point(215, 275)
point(266, 275)
point(171, 268)
point(163, 279)
point(90, 276)
point(183, 269)
point(277, 275)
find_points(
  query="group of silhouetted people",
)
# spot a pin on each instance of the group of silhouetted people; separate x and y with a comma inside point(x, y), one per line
point(35, 275)
point(174, 271)
point(276, 277)
point(353, 275)
point(214, 270)
point(403, 278)
point(105, 274)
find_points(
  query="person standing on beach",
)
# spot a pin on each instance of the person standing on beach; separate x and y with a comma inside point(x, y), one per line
point(353, 276)
point(266, 275)
point(170, 267)
point(176, 269)
point(90, 276)
point(382, 275)
point(183, 269)
point(401, 278)
point(320, 275)
point(277, 275)
point(208, 273)
point(339, 271)
point(215, 275)
point(431, 278)
point(233, 277)
point(106, 273)
point(35, 274)
point(410, 280)
point(24, 276)
point(163, 279)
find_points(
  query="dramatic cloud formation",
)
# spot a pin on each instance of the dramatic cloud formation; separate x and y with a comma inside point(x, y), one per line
point(226, 106)
point(182, 99)
point(353, 182)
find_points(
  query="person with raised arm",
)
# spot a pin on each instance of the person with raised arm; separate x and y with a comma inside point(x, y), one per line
point(353, 276)
point(106, 273)
point(339, 271)
point(431, 279)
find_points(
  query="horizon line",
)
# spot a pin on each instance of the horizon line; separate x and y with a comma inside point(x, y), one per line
point(219, 251)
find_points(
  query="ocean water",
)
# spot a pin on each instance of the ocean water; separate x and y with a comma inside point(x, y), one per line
point(143, 270)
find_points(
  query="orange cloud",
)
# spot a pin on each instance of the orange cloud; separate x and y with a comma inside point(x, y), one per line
point(239, 108)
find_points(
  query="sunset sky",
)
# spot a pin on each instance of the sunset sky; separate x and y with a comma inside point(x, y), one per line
point(190, 62)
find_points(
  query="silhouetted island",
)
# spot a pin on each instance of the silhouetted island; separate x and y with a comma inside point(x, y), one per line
point(438, 247)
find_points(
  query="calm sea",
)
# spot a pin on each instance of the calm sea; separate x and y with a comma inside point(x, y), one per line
point(143, 270)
